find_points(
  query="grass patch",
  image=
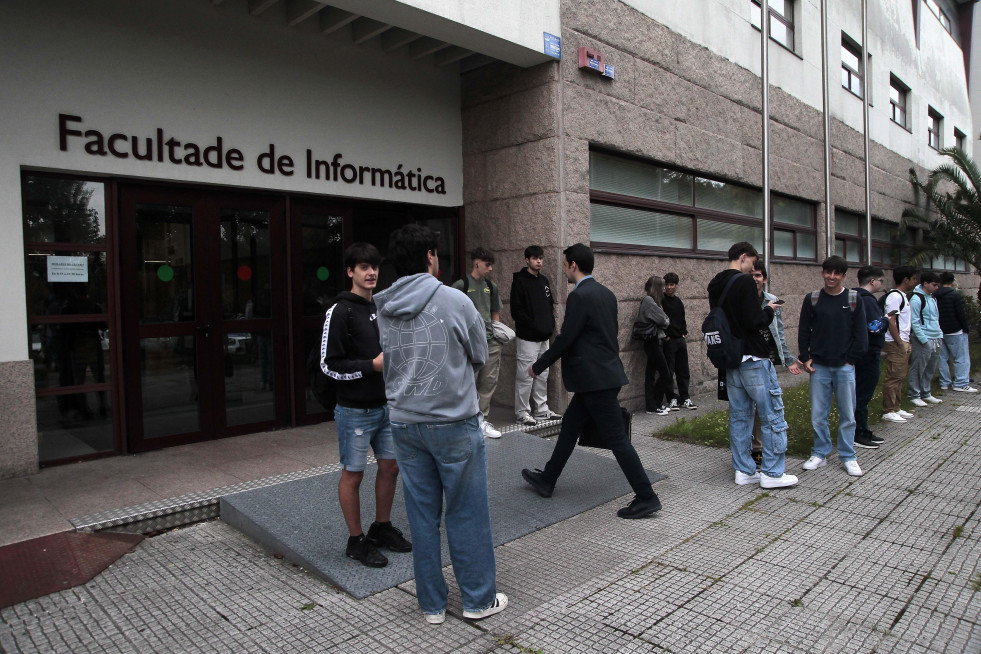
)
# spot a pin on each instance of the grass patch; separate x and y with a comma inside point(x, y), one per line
point(712, 429)
point(976, 582)
point(958, 532)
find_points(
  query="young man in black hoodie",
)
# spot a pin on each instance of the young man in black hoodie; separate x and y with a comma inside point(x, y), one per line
point(533, 310)
point(676, 345)
point(867, 367)
point(753, 385)
point(351, 355)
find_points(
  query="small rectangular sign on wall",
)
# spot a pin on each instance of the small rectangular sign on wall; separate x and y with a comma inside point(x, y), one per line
point(553, 45)
point(68, 269)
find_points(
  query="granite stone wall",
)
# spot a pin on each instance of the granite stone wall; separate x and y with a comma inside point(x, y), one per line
point(527, 135)
point(18, 447)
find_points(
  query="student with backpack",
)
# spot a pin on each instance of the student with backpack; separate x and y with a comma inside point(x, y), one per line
point(832, 335)
point(925, 340)
point(895, 306)
point(734, 343)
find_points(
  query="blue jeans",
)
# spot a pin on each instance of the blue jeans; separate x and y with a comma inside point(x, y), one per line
point(359, 428)
point(923, 362)
point(954, 346)
point(448, 460)
point(839, 380)
point(753, 385)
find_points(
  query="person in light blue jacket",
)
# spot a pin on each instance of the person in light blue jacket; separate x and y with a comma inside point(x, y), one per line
point(925, 339)
point(779, 352)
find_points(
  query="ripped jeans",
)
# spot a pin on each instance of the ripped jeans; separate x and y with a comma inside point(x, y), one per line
point(753, 385)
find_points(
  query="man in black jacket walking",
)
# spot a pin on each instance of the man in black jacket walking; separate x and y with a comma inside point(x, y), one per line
point(351, 355)
point(591, 368)
point(955, 326)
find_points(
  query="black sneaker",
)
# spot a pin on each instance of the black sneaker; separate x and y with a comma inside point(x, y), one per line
point(537, 481)
point(875, 439)
point(383, 534)
point(640, 508)
point(863, 440)
point(360, 549)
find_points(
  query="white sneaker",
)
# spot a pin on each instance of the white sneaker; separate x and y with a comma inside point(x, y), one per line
point(742, 479)
point(673, 405)
point(965, 389)
point(904, 414)
point(852, 468)
point(814, 463)
point(893, 417)
point(783, 481)
point(489, 431)
point(526, 420)
point(918, 402)
point(500, 603)
point(436, 618)
point(933, 400)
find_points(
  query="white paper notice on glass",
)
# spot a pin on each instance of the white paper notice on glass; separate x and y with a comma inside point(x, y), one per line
point(68, 269)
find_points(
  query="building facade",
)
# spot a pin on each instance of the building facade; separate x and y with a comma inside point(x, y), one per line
point(180, 178)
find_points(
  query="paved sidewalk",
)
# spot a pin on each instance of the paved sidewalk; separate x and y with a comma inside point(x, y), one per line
point(888, 563)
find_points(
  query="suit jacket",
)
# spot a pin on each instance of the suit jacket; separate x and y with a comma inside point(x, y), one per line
point(588, 343)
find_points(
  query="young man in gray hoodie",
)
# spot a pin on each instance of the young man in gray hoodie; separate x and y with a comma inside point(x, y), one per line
point(434, 340)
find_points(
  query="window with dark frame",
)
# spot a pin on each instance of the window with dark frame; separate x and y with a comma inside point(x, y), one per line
point(940, 14)
point(642, 207)
point(852, 70)
point(898, 101)
point(935, 123)
point(781, 20)
point(888, 249)
point(960, 140)
point(850, 236)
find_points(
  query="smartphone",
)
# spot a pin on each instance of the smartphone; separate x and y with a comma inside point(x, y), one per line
point(779, 301)
point(892, 313)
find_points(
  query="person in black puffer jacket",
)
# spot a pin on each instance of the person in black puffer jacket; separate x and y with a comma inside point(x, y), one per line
point(954, 346)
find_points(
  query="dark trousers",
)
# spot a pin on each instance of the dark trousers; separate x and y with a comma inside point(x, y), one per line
point(676, 355)
point(866, 379)
point(604, 409)
point(657, 378)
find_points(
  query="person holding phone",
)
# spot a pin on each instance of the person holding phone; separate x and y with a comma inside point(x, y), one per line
point(871, 279)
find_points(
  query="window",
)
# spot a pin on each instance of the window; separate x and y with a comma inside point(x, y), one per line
point(960, 140)
point(781, 20)
point(850, 236)
point(889, 248)
point(638, 206)
point(851, 65)
point(898, 99)
point(934, 129)
point(940, 14)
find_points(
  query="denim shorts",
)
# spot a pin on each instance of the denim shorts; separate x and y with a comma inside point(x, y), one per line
point(359, 428)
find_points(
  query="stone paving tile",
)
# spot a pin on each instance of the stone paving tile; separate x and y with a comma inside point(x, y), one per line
point(687, 630)
point(858, 606)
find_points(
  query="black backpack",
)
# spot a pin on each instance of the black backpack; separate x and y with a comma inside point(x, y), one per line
point(902, 299)
point(724, 349)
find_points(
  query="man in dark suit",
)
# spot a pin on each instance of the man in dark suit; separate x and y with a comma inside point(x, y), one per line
point(592, 370)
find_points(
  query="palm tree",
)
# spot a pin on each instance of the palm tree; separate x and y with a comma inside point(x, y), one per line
point(954, 227)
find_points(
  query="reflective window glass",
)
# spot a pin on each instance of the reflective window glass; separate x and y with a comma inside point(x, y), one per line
point(245, 264)
point(66, 283)
point(63, 210)
point(730, 198)
point(642, 180)
point(323, 261)
point(609, 224)
point(166, 276)
point(719, 237)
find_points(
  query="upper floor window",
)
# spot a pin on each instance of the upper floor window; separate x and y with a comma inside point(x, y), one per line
point(781, 20)
point(898, 99)
point(852, 70)
point(940, 14)
point(935, 124)
point(960, 140)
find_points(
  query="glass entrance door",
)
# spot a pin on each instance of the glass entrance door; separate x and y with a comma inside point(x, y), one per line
point(202, 286)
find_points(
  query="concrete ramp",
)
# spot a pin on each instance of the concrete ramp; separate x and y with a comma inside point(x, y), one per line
point(302, 519)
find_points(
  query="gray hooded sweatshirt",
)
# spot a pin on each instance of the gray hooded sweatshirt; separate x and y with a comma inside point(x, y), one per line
point(433, 340)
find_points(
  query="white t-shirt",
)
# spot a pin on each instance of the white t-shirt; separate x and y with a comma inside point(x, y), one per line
point(893, 301)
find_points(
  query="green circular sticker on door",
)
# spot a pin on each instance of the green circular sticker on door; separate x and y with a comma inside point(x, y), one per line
point(165, 273)
point(323, 273)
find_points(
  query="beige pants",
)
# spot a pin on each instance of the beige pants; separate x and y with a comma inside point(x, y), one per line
point(896, 356)
point(486, 377)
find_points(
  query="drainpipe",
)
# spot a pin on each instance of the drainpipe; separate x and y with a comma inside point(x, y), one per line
point(865, 131)
point(765, 80)
point(825, 99)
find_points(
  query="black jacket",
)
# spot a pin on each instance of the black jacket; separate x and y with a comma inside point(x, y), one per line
point(830, 332)
point(675, 308)
point(588, 343)
point(742, 307)
point(950, 306)
point(532, 306)
point(350, 343)
point(873, 312)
